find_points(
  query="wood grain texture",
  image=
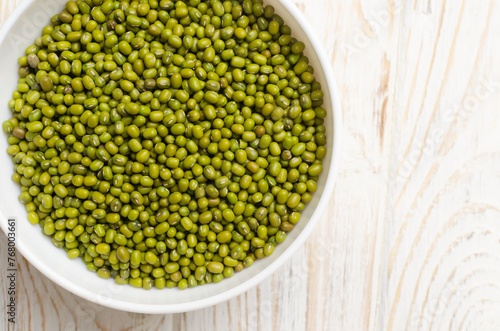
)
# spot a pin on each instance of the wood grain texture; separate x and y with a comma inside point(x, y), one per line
point(411, 237)
point(440, 248)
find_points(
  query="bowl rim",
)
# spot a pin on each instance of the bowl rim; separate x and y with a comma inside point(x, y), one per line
point(264, 273)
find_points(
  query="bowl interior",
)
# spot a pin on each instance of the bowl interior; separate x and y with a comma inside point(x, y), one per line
point(18, 34)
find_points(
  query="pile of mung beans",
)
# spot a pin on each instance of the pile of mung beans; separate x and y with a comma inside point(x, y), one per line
point(166, 143)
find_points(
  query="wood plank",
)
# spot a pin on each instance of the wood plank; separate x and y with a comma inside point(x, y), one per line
point(440, 248)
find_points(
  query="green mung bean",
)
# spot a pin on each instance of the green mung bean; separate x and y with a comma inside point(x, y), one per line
point(167, 145)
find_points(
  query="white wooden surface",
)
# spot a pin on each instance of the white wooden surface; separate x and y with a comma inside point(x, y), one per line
point(411, 239)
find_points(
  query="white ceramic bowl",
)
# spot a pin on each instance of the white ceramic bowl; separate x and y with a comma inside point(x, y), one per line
point(20, 31)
